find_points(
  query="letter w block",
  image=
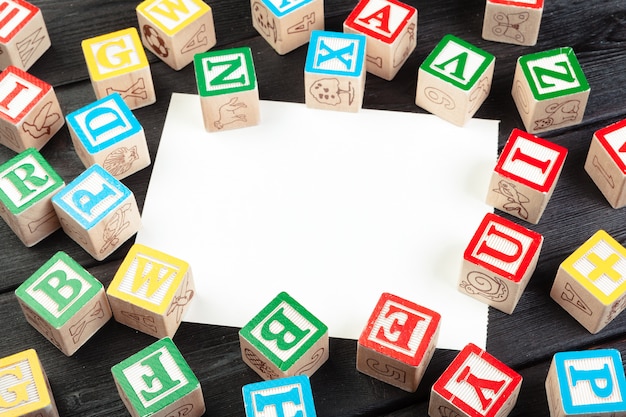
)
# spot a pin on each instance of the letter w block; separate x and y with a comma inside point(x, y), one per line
point(23, 34)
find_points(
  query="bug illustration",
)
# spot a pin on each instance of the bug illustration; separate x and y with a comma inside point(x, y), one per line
point(508, 25)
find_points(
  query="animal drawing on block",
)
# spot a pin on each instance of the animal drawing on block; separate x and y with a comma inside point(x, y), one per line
point(24, 37)
point(512, 21)
point(279, 397)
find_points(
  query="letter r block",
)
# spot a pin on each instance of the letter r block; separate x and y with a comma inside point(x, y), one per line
point(23, 34)
point(512, 21)
point(398, 342)
point(280, 397)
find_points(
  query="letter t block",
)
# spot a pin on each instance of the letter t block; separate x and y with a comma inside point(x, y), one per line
point(23, 34)
point(281, 397)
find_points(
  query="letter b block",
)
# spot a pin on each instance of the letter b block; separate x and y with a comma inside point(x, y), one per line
point(289, 396)
point(23, 34)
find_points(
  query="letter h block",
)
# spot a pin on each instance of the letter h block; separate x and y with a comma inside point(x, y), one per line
point(475, 384)
point(285, 396)
point(64, 302)
point(398, 342)
point(512, 21)
point(23, 34)
point(284, 339)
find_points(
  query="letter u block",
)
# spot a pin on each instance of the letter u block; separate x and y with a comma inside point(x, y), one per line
point(283, 340)
point(511, 21)
point(158, 382)
point(64, 302)
point(151, 291)
point(475, 384)
point(398, 342)
point(117, 62)
point(280, 397)
point(23, 34)
point(97, 211)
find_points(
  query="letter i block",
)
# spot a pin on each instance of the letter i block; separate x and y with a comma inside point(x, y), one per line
point(117, 62)
point(398, 342)
point(64, 302)
point(97, 211)
point(281, 397)
point(151, 291)
point(391, 30)
point(454, 80)
point(228, 89)
point(284, 339)
point(23, 34)
point(591, 283)
point(512, 21)
point(107, 133)
point(158, 382)
point(24, 387)
point(475, 384)
point(550, 90)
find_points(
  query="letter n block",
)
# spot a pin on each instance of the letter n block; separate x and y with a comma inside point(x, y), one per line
point(284, 339)
point(23, 34)
point(475, 384)
point(398, 342)
point(280, 397)
point(64, 302)
point(512, 21)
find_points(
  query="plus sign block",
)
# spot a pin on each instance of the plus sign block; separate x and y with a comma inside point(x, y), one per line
point(525, 176)
point(454, 80)
point(289, 396)
point(550, 90)
point(591, 283)
point(390, 27)
point(512, 21)
point(284, 339)
point(23, 34)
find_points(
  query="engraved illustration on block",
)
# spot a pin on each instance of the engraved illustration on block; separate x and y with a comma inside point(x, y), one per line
point(291, 395)
point(511, 21)
point(23, 34)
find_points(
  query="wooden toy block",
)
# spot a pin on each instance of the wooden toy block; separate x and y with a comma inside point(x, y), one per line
point(107, 133)
point(176, 30)
point(97, 211)
point(64, 302)
point(158, 382)
point(334, 72)
point(283, 340)
point(23, 34)
point(27, 184)
point(227, 85)
point(525, 176)
point(454, 80)
point(151, 291)
point(475, 384)
point(512, 21)
point(280, 397)
point(550, 90)
point(117, 62)
point(30, 113)
point(390, 27)
point(590, 284)
point(398, 342)
point(586, 383)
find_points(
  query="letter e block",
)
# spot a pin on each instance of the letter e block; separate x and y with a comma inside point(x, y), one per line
point(280, 397)
point(512, 21)
point(23, 34)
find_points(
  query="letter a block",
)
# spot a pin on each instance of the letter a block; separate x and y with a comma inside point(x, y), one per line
point(64, 302)
point(284, 339)
point(454, 80)
point(512, 21)
point(23, 34)
point(158, 382)
point(398, 342)
point(281, 397)
point(475, 384)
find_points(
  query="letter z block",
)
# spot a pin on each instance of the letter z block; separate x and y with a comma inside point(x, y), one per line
point(284, 339)
point(398, 342)
point(23, 34)
point(511, 21)
point(475, 384)
point(281, 397)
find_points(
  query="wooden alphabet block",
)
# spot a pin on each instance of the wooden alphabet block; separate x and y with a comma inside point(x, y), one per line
point(550, 90)
point(454, 80)
point(390, 27)
point(284, 339)
point(512, 21)
point(158, 382)
point(176, 31)
point(97, 211)
point(590, 284)
point(227, 85)
point(499, 261)
point(475, 384)
point(586, 383)
point(334, 72)
point(106, 132)
point(398, 342)
point(27, 184)
point(117, 62)
point(151, 291)
point(64, 302)
point(23, 34)
point(525, 176)
point(279, 397)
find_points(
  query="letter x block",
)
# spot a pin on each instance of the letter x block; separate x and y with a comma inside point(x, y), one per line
point(23, 34)
point(454, 80)
point(586, 383)
point(158, 382)
point(512, 21)
point(475, 384)
point(591, 283)
point(64, 302)
point(280, 397)
point(398, 342)
point(284, 339)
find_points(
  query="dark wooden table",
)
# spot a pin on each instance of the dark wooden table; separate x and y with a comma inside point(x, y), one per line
point(526, 340)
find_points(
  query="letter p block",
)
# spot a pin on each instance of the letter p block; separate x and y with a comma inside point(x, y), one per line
point(289, 396)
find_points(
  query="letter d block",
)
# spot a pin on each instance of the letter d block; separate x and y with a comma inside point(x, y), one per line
point(64, 302)
point(511, 21)
point(281, 397)
point(23, 34)
point(284, 339)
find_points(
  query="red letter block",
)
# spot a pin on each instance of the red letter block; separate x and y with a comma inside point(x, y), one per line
point(23, 34)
